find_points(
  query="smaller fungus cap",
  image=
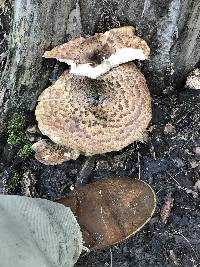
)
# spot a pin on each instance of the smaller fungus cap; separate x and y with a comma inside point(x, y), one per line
point(94, 56)
point(49, 153)
point(96, 116)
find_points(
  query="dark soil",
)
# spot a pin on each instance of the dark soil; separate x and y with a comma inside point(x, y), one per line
point(167, 162)
point(166, 159)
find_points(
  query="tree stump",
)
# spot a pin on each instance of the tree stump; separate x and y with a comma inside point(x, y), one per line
point(171, 28)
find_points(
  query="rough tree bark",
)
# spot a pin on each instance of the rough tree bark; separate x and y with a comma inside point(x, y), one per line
point(35, 27)
point(171, 28)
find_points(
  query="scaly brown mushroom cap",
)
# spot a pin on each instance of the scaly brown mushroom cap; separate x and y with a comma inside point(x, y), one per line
point(96, 116)
point(94, 56)
point(111, 210)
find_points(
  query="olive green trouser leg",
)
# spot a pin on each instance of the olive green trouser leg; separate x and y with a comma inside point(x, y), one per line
point(37, 233)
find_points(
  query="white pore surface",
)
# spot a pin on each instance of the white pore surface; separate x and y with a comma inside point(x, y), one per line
point(122, 55)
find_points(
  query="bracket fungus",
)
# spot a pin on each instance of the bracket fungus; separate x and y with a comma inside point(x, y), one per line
point(92, 116)
point(111, 210)
point(95, 116)
point(96, 55)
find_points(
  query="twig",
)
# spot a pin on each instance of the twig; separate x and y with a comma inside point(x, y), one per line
point(165, 212)
point(86, 170)
point(111, 258)
point(173, 178)
point(139, 167)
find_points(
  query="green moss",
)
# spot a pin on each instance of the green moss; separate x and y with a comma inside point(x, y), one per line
point(26, 151)
point(17, 136)
point(11, 186)
point(16, 131)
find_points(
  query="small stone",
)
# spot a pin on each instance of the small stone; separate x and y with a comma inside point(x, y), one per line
point(189, 191)
point(173, 257)
point(33, 133)
point(197, 185)
point(169, 128)
point(32, 129)
point(72, 187)
point(196, 150)
point(194, 164)
point(193, 80)
point(179, 163)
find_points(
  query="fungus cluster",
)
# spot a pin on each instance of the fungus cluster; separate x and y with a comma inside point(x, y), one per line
point(100, 105)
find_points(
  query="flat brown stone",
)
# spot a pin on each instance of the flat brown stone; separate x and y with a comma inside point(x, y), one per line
point(111, 210)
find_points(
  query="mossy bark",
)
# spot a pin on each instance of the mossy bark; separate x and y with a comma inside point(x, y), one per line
point(171, 28)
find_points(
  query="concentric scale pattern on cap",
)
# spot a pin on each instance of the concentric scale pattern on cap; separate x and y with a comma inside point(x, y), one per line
point(96, 116)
